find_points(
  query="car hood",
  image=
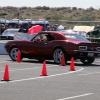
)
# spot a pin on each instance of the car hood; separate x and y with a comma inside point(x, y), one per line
point(7, 35)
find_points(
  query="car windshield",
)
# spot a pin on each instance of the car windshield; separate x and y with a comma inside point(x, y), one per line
point(75, 37)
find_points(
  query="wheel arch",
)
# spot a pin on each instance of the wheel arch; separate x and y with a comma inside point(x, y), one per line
point(60, 48)
point(13, 47)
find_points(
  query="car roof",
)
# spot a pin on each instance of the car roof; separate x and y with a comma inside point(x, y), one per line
point(57, 32)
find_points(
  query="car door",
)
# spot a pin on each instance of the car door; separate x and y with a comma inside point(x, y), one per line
point(41, 45)
point(44, 47)
point(36, 47)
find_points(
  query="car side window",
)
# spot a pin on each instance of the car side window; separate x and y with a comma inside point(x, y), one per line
point(41, 37)
point(50, 37)
point(44, 37)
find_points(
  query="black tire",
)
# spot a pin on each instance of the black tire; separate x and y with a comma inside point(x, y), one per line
point(57, 54)
point(87, 61)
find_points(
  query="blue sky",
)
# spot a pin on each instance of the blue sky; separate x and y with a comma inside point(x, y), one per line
point(51, 3)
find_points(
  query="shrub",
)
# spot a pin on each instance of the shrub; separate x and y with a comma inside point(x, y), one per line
point(3, 14)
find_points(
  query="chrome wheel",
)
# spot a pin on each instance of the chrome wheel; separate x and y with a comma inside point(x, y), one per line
point(57, 55)
point(13, 53)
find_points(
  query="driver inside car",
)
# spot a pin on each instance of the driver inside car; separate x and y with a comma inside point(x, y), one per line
point(42, 38)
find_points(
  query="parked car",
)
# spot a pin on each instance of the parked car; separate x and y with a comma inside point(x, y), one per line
point(69, 31)
point(94, 36)
point(50, 45)
point(8, 34)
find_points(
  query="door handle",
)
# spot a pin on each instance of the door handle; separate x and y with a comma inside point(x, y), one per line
point(45, 43)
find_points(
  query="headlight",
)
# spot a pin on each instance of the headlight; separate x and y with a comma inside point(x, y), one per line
point(82, 47)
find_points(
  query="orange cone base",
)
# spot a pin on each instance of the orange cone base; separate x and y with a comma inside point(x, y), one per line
point(72, 70)
point(44, 75)
point(19, 61)
point(62, 65)
point(6, 80)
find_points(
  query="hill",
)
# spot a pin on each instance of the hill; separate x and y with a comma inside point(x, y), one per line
point(57, 13)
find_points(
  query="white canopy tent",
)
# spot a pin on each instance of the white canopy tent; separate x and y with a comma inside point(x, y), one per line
point(84, 28)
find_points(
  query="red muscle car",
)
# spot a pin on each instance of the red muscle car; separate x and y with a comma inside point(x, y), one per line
point(50, 45)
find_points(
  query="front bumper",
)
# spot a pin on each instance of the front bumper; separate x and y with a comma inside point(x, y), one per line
point(82, 53)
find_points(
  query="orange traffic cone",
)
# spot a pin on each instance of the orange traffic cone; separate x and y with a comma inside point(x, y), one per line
point(18, 59)
point(72, 67)
point(62, 60)
point(6, 74)
point(44, 70)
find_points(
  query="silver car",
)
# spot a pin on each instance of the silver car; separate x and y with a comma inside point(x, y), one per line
point(8, 34)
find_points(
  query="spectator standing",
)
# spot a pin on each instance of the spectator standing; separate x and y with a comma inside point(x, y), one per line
point(16, 25)
point(6, 26)
point(2, 28)
point(48, 28)
point(98, 29)
point(22, 29)
point(29, 26)
point(10, 26)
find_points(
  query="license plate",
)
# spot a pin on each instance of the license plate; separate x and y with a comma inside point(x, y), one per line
point(91, 54)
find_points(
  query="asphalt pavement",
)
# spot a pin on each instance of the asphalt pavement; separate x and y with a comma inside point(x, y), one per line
point(26, 83)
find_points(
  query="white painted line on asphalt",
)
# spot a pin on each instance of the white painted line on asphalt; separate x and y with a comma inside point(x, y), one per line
point(76, 96)
point(89, 73)
point(41, 77)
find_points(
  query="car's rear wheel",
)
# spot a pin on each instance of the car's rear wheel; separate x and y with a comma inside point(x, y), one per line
point(57, 54)
point(13, 53)
point(88, 60)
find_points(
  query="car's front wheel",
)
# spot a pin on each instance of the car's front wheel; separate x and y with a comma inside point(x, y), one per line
point(13, 53)
point(88, 60)
point(57, 54)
